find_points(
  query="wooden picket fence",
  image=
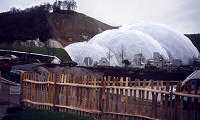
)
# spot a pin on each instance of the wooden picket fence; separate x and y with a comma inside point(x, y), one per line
point(109, 98)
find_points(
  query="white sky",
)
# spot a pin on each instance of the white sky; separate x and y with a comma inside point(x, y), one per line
point(182, 15)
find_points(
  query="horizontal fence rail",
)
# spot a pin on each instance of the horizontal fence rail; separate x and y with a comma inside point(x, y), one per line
point(109, 97)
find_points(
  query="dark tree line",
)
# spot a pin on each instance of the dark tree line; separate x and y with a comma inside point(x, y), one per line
point(27, 24)
point(45, 6)
point(64, 5)
point(30, 23)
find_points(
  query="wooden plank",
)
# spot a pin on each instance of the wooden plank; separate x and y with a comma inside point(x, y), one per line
point(153, 101)
point(65, 92)
point(113, 96)
point(189, 101)
point(166, 101)
point(74, 91)
point(117, 96)
point(134, 99)
point(81, 92)
point(90, 98)
point(87, 93)
point(108, 95)
point(147, 98)
point(156, 99)
point(162, 100)
point(126, 98)
point(126, 95)
point(143, 99)
point(122, 95)
point(171, 104)
point(55, 93)
point(196, 104)
point(131, 97)
point(181, 104)
point(94, 97)
point(84, 92)
point(139, 98)
point(177, 102)
point(101, 99)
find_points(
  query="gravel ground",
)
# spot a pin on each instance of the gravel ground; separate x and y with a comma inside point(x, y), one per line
point(3, 106)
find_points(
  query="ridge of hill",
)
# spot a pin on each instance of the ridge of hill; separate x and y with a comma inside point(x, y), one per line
point(65, 26)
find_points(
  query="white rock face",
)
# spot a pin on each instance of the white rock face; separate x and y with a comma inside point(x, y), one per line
point(53, 43)
point(81, 50)
point(177, 45)
point(145, 38)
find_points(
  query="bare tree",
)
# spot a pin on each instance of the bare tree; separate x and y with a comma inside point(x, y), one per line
point(123, 54)
point(48, 6)
point(57, 6)
point(69, 4)
point(109, 55)
point(14, 10)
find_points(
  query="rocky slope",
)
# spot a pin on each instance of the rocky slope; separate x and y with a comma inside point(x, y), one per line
point(69, 26)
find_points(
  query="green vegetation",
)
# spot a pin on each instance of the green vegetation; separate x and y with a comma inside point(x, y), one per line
point(34, 114)
point(59, 52)
point(27, 24)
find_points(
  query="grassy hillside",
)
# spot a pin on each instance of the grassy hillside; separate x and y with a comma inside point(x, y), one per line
point(59, 52)
point(28, 24)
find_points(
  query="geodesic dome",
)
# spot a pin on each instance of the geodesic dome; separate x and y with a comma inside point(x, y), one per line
point(134, 41)
point(130, 43)
point(177, 45)
point(79, 52)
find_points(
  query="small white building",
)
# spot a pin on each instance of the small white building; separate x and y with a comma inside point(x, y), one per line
point(139, 59)
point(176, 62)
point(56, 60)
point(103, 62)
point(88, 61)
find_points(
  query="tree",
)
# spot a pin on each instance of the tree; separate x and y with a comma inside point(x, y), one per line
point(57, 6)
point(14, 10)
point(48, 6)
point(66, 5)
point(109, 55)
point(69, 5)
point(126, 62)
point(122, 54)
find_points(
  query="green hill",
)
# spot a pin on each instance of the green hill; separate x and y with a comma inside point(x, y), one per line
point(59, 52)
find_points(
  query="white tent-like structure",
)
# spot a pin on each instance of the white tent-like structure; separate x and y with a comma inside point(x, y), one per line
point(79, 51)
point(177, 45)
point(128, 41)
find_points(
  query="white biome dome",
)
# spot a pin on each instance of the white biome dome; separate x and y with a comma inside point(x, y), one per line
point(130, 43)
point(177, 45)
point(145, 40)
point(82, 50)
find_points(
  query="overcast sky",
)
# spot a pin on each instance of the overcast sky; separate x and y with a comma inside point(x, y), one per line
point(183, 15)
